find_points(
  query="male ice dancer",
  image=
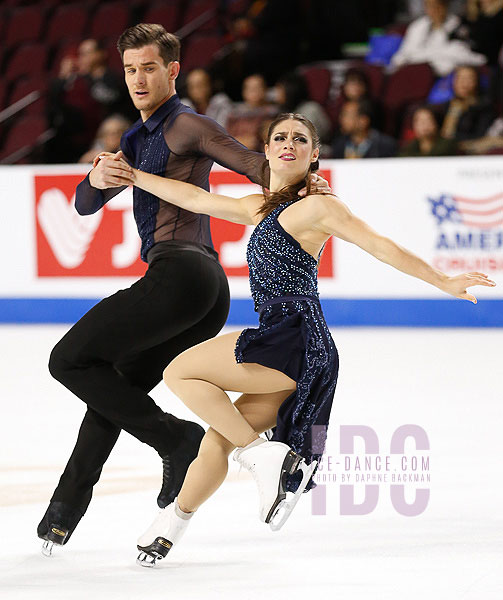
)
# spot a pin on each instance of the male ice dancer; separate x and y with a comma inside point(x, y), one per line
point(116, 353)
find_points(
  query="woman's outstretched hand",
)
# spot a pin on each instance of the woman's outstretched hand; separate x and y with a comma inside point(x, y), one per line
point(319, 185)
point(456, 286)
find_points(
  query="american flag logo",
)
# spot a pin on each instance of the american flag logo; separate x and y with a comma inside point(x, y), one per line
point(481, 213)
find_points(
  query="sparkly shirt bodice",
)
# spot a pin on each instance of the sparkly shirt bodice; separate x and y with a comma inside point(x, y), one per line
point(278, 265)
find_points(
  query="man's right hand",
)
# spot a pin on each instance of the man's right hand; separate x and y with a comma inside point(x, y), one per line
point(110, 171)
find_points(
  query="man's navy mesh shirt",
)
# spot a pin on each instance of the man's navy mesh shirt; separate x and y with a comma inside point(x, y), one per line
point(178, 143)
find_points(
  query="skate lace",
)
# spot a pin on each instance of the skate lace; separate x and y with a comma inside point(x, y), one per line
point(166, 470)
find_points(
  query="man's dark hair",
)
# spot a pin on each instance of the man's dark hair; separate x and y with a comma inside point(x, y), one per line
point(145, 34)
point(365, 109)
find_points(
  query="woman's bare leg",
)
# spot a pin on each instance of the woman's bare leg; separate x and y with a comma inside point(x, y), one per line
point(208, 471)
point(200, 375)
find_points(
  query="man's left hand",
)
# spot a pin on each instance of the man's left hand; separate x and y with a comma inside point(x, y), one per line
point(319, 185)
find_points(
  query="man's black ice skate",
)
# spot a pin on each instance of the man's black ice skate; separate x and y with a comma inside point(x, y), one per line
point(57, 525)
point(175, 464)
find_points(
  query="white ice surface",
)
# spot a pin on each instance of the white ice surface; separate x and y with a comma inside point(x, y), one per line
point(448, 381)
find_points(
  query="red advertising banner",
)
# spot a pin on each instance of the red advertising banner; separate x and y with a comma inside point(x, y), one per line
point(107, 244)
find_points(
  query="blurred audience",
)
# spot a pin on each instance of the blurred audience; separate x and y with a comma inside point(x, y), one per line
point(427, 139)
point(200, 97)
point(468, 115)
point(482, 28)
point(413, 9)
point(108, 137)
point(354, 87)
point(249, 119)
point(292, 95)
point(83, 94)
point(429, 40)
point(358, 139)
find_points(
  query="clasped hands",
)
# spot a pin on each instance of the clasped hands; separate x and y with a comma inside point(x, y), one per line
point(111, 170)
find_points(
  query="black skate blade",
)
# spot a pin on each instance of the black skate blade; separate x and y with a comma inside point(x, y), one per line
point(158, 549)
point(290, 464)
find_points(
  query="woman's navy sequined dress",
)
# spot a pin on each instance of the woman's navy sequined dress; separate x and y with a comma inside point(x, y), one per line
point(292, 336)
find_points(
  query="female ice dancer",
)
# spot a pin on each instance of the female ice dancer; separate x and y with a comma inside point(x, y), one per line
point(286, 369)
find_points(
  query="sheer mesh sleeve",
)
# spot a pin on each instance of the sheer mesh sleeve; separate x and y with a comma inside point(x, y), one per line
point(196, 134)
point(89, 200)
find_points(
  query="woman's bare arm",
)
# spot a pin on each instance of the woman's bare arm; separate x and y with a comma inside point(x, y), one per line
point(193, 198)
point(333, 217)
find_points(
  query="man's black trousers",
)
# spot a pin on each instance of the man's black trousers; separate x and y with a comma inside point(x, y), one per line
point(117, 352)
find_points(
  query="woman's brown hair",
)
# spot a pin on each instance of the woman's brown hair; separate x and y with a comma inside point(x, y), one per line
point(289, 192)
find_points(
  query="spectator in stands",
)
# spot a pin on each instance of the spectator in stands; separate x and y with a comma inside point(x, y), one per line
point(428, 141)
point(413, 9)
point(200, 97)
point(71, 112)
point(429, 39)
point(468, 115)
point(82, 95)
point(108, 137)
point(355, 87)
point(104, 85)
point(292, 96)
point(358, 139)
point(250, 119)
point(483, 28)
point(265, 47)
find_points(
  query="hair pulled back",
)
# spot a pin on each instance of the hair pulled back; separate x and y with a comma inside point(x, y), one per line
point(289, 192)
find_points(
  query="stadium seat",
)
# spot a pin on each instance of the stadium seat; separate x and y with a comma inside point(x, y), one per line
point(67, 21)
point(25, 25)
point(114, 59)
point(196, 9)
point(109, 20)
point(28, 59)
point(318, 83)
point(376, 78)
point(199, 51)
point(26, 85)
point(165, 13)
point(24, 132)
point(68, 46)
point(409, 84)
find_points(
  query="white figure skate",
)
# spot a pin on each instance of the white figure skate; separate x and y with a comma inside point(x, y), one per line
point(166, 530)
point(270, 463)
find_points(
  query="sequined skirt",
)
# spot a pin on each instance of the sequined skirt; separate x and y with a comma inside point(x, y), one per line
point(293, 338)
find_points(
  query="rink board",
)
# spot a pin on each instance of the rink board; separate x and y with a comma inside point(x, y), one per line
point(56, 264)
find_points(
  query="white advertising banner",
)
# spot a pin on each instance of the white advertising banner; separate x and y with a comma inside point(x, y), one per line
point(449, 211)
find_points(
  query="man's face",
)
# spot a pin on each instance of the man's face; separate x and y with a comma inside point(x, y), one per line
point(199, 86)
point(348, 118)
point(89, 56)
point(436, 10)
point(465, 83)
point(148, 78)
point(254, 90)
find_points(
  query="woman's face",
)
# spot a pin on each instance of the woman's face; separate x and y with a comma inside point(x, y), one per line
point(354, 88)
point(424, 124)
point(465, 83)
point(290, 149)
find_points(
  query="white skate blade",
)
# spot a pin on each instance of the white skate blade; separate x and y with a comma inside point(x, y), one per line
point(47, 548)
point(286, 506)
